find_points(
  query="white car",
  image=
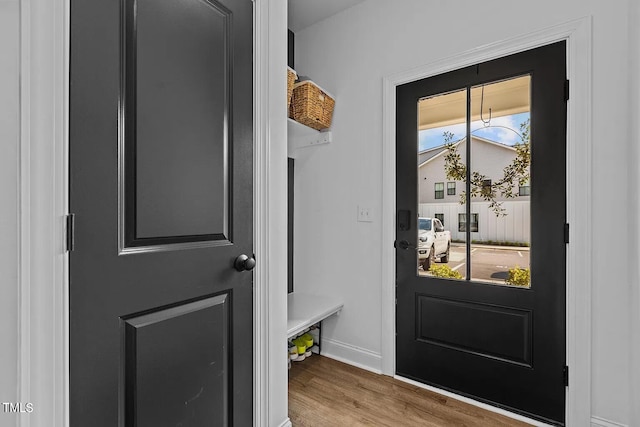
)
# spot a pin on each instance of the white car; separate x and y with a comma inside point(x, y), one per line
point(433, 242)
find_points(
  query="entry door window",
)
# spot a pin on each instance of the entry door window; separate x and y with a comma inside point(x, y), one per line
point(477, 140)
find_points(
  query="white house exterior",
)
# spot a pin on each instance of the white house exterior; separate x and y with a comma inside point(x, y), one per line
point(440, 197)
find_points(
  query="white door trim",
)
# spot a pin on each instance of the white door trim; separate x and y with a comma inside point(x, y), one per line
point(270, 213)
point(43, 275)
point(579, 192)
point(43, 373)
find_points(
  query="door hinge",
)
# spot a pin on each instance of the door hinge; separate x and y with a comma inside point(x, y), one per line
point(69, 225)
point(565, 376)
point(566, 233)
point(566, 90)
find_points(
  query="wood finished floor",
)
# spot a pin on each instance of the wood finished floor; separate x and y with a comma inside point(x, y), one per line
point(325, 392)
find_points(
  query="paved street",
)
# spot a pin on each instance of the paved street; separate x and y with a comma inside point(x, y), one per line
point(488, 263)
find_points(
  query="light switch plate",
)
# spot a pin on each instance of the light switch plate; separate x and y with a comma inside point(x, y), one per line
point(365, 214)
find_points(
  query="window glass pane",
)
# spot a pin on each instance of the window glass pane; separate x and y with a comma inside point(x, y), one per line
point(499, 165)
point(462, 222)
point(473, 224)
point(439, 194)
point(442, 124)
point(497, 231)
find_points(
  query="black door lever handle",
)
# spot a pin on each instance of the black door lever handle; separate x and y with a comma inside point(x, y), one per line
point(403, 244)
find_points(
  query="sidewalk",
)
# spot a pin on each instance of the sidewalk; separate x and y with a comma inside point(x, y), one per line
point(481, 245)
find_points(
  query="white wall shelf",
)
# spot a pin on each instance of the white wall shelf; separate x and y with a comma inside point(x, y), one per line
point(300, 136)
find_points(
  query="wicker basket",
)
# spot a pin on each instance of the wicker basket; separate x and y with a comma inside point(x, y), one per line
point(311, 106)
point(291, 79)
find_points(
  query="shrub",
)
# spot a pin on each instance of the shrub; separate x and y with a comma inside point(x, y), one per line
point(444, 271)
point(519, 277)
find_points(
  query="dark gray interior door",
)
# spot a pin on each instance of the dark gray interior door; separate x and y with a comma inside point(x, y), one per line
point(481, 304)
point(161, 137)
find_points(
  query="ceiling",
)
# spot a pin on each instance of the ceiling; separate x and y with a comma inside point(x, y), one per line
point(503, 98)
point(304, 13)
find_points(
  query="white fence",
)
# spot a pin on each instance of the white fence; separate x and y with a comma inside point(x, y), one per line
point(513, 227)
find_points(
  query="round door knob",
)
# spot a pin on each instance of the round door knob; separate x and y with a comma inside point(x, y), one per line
point(244, 263)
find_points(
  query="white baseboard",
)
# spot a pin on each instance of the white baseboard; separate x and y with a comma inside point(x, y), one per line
point(601, 422)
point(286, 423)
point(352, 355)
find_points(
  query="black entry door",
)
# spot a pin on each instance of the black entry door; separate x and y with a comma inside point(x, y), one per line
point(161, 137)
point(484, 316)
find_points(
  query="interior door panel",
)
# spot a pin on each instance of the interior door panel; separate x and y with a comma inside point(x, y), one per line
point(161, 140)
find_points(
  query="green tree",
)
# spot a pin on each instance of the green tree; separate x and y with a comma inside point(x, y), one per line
point(515, 174)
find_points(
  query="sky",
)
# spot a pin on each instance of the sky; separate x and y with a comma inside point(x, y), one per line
point(495, 131)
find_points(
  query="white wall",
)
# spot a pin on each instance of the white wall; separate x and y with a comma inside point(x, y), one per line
point(634, 122)
point(349, 54)
point(9, 143)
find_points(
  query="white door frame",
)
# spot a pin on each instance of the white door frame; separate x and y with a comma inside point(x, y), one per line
point(579, 195)
point(43, 370)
